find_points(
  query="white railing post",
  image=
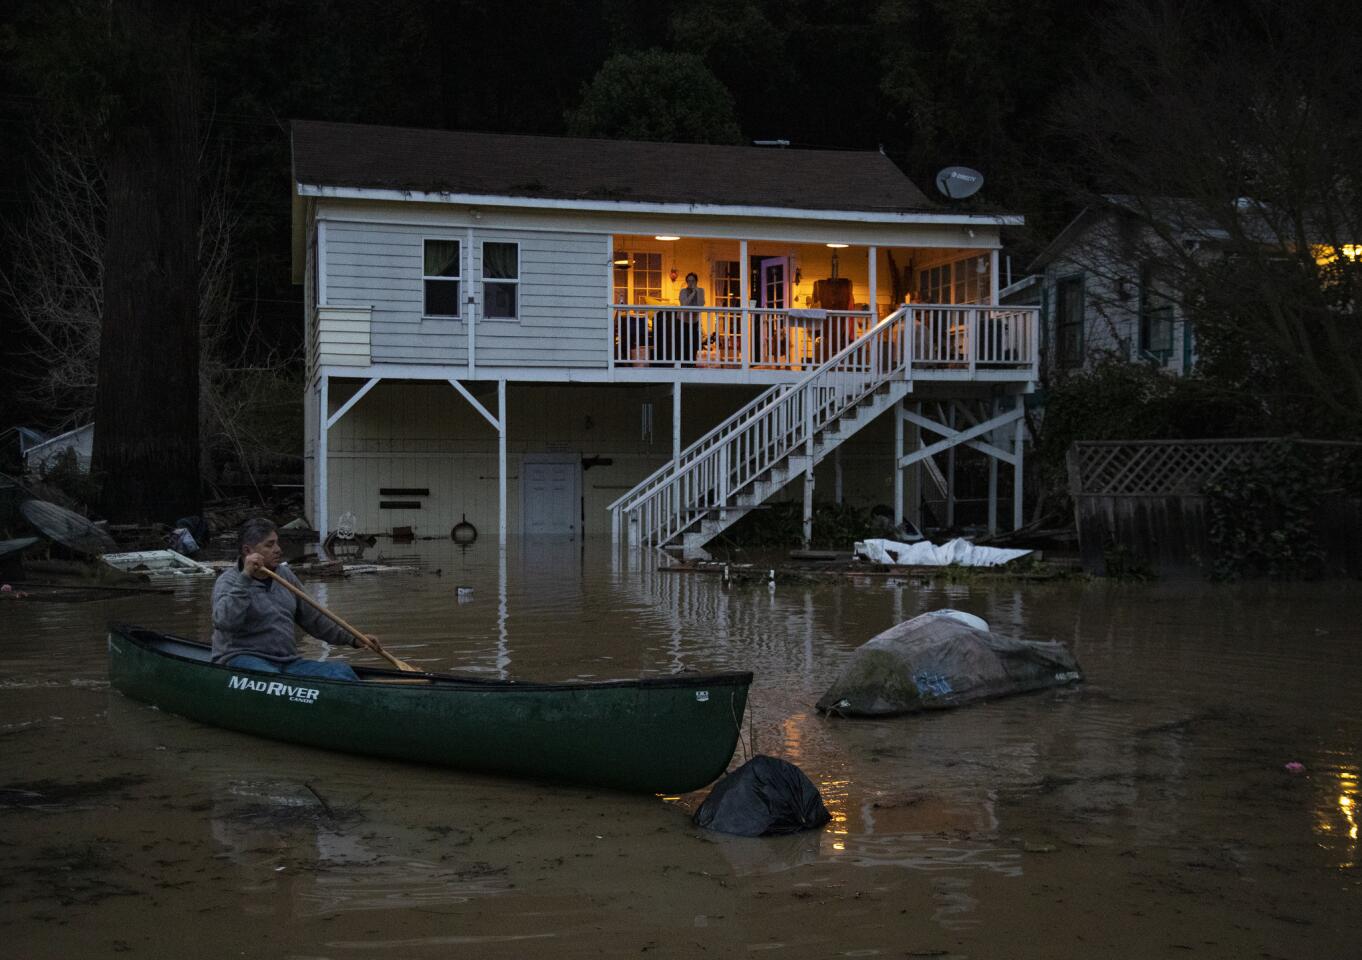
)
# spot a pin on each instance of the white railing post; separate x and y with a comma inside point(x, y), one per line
point(721, 486)
point(744, 292)
point(972, 337)
point(806, 398)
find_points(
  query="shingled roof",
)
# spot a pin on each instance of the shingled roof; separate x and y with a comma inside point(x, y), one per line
point(561, 168)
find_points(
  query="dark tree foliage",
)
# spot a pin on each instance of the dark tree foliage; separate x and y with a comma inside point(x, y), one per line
point(1233, 141)
point(671, 97)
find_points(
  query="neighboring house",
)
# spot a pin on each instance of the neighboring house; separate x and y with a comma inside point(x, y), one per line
point(42, 457)
point(494, 329)
point(1107, 289)
point(15, 442)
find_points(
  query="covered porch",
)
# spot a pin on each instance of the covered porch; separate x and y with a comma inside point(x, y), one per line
point(771, 308)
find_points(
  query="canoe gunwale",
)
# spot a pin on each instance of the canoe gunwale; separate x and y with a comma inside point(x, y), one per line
point(146, 638)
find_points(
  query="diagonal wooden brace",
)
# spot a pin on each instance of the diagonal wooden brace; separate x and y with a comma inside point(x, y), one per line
point(968, 437)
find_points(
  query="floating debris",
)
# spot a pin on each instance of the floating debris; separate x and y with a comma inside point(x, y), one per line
point(158, 564)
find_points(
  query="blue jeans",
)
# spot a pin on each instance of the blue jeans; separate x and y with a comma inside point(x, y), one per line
point(326, 669)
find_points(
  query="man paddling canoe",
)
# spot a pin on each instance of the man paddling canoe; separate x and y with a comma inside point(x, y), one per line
point(253, 617)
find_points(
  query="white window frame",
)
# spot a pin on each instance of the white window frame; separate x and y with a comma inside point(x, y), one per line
point(458, 303)
point(636, 245)
point(736, 279)
point(956, 270)
point(484, 279)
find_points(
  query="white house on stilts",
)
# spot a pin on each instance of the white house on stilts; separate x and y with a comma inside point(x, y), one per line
point(495, 330)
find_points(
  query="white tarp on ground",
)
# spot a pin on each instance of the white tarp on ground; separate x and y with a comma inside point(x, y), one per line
point(926, 554)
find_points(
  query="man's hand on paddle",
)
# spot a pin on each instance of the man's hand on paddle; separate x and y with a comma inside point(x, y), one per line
point(368, 642)
point(252, 564)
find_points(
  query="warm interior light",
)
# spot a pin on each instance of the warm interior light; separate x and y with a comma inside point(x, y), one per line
point(837, 246)
point(660, 237)
point(1325, 254)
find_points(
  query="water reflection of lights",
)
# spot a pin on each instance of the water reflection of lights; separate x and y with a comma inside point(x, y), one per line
point(1342, 805)
point(1347, 793)
point(835, 793)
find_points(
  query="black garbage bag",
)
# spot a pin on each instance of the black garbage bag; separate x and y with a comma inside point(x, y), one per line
point(763, 797)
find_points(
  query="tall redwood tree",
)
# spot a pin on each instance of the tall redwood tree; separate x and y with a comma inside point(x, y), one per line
point(146, 442)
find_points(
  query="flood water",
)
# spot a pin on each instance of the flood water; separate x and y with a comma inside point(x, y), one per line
point(1143, 813)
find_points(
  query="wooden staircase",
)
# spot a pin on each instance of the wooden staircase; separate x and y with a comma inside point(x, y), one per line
point(777, 437)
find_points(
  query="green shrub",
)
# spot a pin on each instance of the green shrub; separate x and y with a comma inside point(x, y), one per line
point(1260, 515)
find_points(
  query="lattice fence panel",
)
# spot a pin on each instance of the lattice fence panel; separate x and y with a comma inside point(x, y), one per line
point(1155, 467)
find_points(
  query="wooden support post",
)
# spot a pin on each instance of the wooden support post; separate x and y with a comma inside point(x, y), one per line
point(950, 469)
point(992, 477)
point(745, 292)
point(1019, 440)
point(501, 462)
point(676, 422)
point(503, 615)
point(915, 478)
point(898, 459)
point(837, 475)
point(808, 507)
point(323, 415)
point(808, 467)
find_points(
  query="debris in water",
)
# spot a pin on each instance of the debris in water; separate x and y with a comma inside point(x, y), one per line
point(944, 658)
point(1295, 766)
point(764, 796)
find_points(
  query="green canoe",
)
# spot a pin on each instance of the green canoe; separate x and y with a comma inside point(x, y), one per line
point(658, 735)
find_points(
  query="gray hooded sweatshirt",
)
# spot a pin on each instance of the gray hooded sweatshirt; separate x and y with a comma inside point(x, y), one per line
point(257, 617)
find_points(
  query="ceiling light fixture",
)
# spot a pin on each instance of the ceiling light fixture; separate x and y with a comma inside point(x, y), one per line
point(661, 237)
point(837, 246)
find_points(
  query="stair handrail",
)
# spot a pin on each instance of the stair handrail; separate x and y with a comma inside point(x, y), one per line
point(674, 471)
point(676, 465)
point(759, 399)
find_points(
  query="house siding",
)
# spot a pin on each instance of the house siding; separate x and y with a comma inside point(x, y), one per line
point(424, 435)
point(1110, 269)
point(562, 295)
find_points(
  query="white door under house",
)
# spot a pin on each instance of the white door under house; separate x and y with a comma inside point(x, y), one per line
point(551, 496)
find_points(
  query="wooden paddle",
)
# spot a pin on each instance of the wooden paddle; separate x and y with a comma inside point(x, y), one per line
point(377, 648)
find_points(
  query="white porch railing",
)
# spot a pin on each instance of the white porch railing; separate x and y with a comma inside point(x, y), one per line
point(786, 419)
point(732, 338)
point(966, 337)
point(975, 336)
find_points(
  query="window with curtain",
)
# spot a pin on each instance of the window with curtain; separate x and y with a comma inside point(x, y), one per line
point(1156, 313)
point(727, 284)
point(638, 278)
point(440, 277)
point(500, 279)
point(1069, 322)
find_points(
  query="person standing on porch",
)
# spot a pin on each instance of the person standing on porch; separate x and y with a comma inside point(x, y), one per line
point(692, 295)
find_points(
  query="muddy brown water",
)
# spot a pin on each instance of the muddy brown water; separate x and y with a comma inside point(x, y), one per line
point(1145, 813)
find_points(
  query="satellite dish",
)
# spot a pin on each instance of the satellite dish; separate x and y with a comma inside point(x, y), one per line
point(959, 182)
